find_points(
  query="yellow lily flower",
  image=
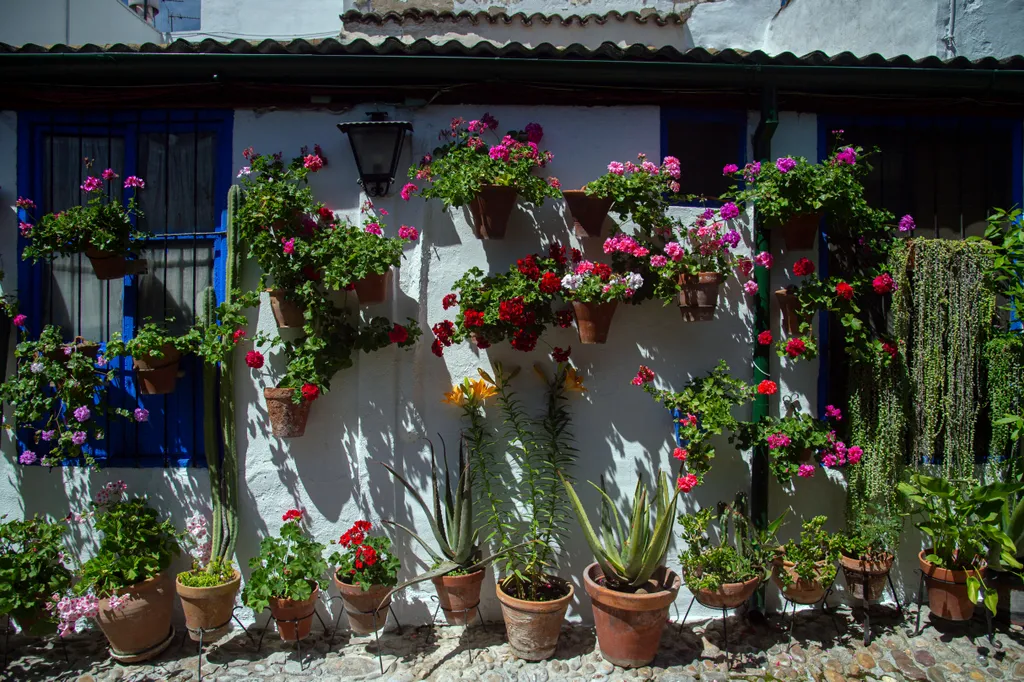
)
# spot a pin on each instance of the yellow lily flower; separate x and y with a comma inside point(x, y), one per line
point(455, 396)
point(481, 390)
point(573, 381)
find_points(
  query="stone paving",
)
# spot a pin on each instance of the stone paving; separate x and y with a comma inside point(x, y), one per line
point(758, 650)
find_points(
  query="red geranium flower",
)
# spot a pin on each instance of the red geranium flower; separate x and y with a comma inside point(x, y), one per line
point(292, 515)
point(563, 318)
point(550, 283)
point(686, 483)
point(528, 266)
point(238, 335)
point(254, 359)
point(767, 387)
point(449, 300)
point(473, 318)
point(310, 392)
point(803, 267)
point(511, 310)
point(643, 376)
point(844, 290)
point(398, 334)
point(603, 270)
point(890, 348)
point(436, 348)
point(561, 355)
point(556, 252)
point(795, 348)
point(482, 343)
point(884, 284)
point(680, 454)
point(443, 330)
point(524, 340)
point(765, 338)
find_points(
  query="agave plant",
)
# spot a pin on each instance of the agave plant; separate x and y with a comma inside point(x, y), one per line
point(629, 559)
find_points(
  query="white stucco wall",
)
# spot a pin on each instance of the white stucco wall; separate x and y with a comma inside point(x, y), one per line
point(47, 22)
point(380, 408)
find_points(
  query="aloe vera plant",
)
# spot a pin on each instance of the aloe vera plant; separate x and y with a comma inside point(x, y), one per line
point(629, 555)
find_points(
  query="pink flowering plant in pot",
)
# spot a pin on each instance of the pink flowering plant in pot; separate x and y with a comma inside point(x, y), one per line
point(783, 190)
point(474, 155)
point(58, 405)
point(103, 228)
point(641, 192)
point(353, 253)
point(32, 568)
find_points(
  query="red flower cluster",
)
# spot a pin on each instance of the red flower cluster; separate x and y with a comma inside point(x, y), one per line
point(680, 454)
point(603, 270)
point(890, 348)
point(238, 335)
point(557, 253)
point(767, 387)
point(310, 392)
point(803, 267)
point(473, 318)
point(643, 376)
point(511, 310)
point(449, 300)
point(366, 556)
point(326, 214)
point(686, 483)
point(356, 534)
point(398, 334)
point(443, 330)
point(883, 284)
point(550, 283)
point(292, 515)
point(524, 340)
point(563, 318)
point(528, 266)
point(254, 359)
point(560, 355)
point(765, 338)
point(795, 348)
point(844, 290)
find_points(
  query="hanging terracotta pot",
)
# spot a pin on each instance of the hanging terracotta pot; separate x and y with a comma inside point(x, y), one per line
point(491, 208)
point(947, 590)
point(593, 320)
point(90, 349)
point(158, 376)
point(367, 610)
point(629, 624)
point(107, 264)
point(799, 591)
point(208, 609)
point(728, 595)
point(286, 311)
point(588, 211)
point(373, 288)
point(789, 305)
point(533, 626)
point(141, 629)
point(799, 232)
point(294, 618)
point(866, 579)
point(459, 596)
point(287, 418)
point(698, 296)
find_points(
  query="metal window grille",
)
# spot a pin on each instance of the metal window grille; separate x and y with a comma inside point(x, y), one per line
point(704, 142)
point(184, 158)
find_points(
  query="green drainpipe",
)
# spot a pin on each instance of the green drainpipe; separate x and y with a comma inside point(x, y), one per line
point(759, 472)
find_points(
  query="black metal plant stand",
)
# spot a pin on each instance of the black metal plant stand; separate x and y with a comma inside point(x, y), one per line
point(376, 630)
point(920, 598)
point(867, 605)
point(433, 619)
point(7, 639)
point(203, 631)
point(295, 622)
point(822, 603)
point(725, 623)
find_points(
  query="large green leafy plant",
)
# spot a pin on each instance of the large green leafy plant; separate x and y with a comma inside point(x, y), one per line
point(149, 341)
point(641, 192)
point(467, 160)
point(874, 536)
point(354, 252)
point(31, 570)
point(790, 187)
point(288, 567)
point(814, 555)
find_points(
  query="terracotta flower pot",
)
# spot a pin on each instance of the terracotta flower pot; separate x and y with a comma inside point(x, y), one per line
point(593, 320)
point(728, 595)
point(141, 630)
point(588, 211)
point(294, 618)
point(799, 591)
point(866, 579)
point(533, 626)
point(208, 608)
point(459, 596)
point(629, 625)
point(491, 208)
point(106, 264)
point(947, 590)
point(158, 376)
point(788, 304)
point(287, 312)
point(90, 349)
point(698, 296)
point(287, 419)
point(361, 606)
point(799, 232)
point(373, 289)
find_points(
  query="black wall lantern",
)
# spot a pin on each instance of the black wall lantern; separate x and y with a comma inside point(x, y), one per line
point(376, 146)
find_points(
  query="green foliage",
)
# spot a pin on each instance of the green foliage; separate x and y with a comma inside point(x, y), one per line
point(466, 161)
point(104, 223)
point(31, 568)
point(287, 567)
point(630, 552)
point(217, 572)
point(743, 555)
point(640, 194)
point(215, 331)
point(352, 253)
point(1006, 274)
point(804, 433)
point(149, 342)
point(874, 536)
point(135, 546)
point(358, 566)
point(1004, 388)
point(816, 545)
point(52, 381)
point(706, 406)
point(782, 196)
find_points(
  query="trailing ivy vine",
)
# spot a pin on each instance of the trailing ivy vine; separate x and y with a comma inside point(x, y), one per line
point(1004, 387)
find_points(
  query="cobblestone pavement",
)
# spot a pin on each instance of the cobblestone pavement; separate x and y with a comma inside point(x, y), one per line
point(943, 652)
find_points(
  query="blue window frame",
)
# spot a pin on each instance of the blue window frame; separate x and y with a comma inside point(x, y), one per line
point(947, 172)
point(704, 141)
point(185, 159)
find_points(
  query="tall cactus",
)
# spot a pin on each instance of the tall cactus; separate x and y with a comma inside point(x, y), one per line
point(208, 318)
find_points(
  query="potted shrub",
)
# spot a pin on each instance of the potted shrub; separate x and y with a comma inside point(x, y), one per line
point(789, 196)
point(962, 525)
point(725, 574)
point(629, 585)
point(594, 291)
point(207, 591)
point(127, 579)
point(156, 355)
point(640, 191)
point(31, 569)
point(54, 403)
point(516, 305)
point(366, 571)
point(867, 552)
point(104, 229)
point(287, 576)
point(804, 569)
point(488, 176)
